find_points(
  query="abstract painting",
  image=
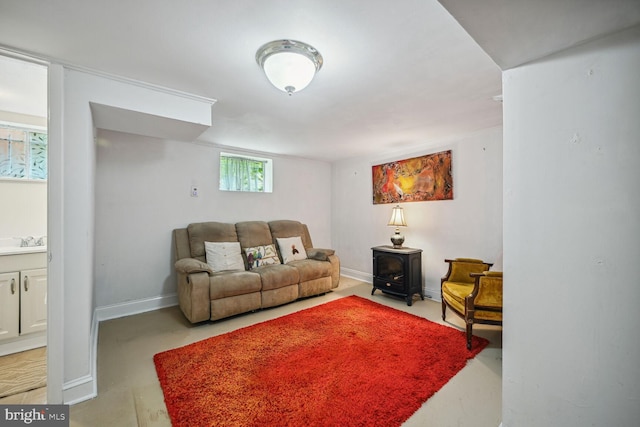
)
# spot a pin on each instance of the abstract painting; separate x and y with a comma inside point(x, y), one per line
point(417, 179)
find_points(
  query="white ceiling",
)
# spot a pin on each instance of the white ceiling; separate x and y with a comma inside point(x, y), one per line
point(514, 32)
point(396, 74)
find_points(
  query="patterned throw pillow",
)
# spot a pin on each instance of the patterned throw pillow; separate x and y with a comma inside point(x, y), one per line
point(291, 249)
point(261, 255)
point(224, 255)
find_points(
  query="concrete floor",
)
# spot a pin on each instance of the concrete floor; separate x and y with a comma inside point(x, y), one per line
point(129, 393)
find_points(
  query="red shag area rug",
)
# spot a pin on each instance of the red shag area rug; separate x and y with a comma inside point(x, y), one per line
point(349, 362)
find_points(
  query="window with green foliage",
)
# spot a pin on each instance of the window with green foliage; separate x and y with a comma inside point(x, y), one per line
point(23, 153)
point(245, 173)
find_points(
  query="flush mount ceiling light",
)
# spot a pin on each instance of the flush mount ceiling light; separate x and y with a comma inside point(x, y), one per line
point(289, 65)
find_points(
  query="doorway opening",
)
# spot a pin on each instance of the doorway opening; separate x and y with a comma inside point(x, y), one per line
point(23, 230)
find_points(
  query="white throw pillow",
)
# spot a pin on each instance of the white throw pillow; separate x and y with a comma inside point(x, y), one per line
point(291, 249)
point(261, 255)
point(224, 255)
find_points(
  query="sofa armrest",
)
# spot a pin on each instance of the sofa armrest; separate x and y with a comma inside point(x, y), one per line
point(335, 270)
point(319, 254)
point(193, 296)
point(192, 265)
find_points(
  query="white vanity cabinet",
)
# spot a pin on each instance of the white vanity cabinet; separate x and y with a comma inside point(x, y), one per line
point(9, 305)
point(33, 301)
point(23, 302)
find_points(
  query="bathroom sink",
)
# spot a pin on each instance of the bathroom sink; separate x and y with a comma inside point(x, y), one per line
point(17, 250)
point(11, 246)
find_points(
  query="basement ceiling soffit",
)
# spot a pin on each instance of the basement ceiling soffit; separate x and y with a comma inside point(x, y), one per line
point(514, 32)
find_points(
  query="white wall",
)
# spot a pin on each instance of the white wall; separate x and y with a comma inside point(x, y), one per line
point(572, 237)
point(71, 224)
point(143, 193)
point(470, 225)
point(24, 211)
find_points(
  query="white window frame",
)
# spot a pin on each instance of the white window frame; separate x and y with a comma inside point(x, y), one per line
point(268, 171)
point(28, 129)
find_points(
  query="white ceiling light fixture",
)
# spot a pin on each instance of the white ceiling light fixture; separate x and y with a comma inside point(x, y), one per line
point(289, 65)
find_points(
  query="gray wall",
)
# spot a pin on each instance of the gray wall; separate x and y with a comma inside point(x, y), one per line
point(72, 326)
point(470, 225)
point(572, 237)
point(143, 193)
point(25, 208)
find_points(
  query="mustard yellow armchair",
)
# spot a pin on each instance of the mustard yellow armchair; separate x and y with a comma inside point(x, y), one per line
point(472, 292)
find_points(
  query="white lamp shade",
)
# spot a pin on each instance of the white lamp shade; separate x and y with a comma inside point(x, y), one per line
point(289, 71)
point(397, 217)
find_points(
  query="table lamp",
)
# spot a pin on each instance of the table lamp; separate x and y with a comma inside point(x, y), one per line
point(397, 221)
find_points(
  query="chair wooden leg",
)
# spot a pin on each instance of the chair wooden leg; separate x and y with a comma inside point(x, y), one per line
point(444, 310)
point(469, 334)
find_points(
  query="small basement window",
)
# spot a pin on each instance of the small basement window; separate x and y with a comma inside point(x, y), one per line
point(23, 152)
point(239, 172)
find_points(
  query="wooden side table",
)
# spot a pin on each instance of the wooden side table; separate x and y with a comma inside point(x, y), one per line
point(398, 271)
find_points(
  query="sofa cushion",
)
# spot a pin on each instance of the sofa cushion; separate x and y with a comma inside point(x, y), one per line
point(310, 269)
point(291, 249)
point(253, 233)
point(289, 228)
point(277, 276)
point(224, 256)
point(261, 255)
point(209, 232)
point(232, 283)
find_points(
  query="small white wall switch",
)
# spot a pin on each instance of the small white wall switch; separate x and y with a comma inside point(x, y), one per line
point(194, 191)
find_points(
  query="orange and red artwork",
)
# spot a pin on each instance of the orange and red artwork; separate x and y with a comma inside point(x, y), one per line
point(417, 179)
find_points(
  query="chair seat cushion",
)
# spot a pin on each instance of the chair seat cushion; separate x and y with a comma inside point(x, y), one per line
point(454, 293)
point(457, 291)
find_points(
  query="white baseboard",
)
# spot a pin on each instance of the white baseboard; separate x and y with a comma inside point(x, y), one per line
point(355, 274)
point(24, 343)
point(433, 294)
point(86, 387)
point(129, 308)
point(79, 390)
